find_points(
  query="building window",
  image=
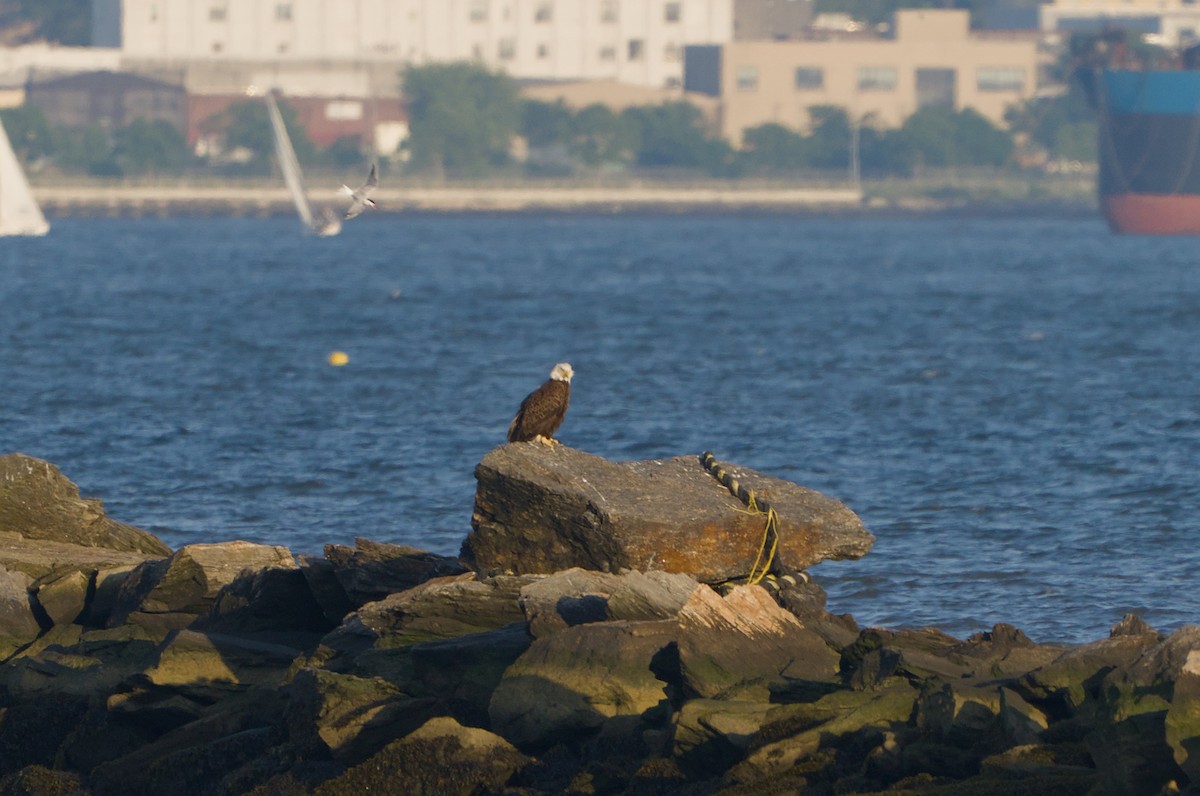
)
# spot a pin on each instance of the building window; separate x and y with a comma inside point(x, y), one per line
point(876, 78)
point(746, 78)
point(672, 53)
point(154, 13)
point(608, 11)
point(1000, 78)
point(283, 12)
point(506, 49)
point(479, 10)
point(543, 51)
point(809, 78)
point(217, 13)
point(636, 49)
point(608, 53)
point(544, 12)
point(217, 46)
point(344, 110)
point(671, 12)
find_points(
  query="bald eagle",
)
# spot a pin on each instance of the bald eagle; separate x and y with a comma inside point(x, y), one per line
point(542, 411)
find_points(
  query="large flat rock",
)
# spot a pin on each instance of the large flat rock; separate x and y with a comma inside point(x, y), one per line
point(541, 510)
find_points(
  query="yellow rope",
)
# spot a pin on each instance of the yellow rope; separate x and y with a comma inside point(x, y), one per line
point(770, 540)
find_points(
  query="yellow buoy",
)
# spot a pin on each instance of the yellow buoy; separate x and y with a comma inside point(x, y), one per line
point(338, 358)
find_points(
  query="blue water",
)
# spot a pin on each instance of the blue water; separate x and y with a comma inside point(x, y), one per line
point(1012, 406)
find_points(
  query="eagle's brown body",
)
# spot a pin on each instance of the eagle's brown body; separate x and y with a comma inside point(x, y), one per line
point(543, 410)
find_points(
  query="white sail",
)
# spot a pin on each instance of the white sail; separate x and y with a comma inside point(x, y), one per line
point(326, 225)
point(19, 211)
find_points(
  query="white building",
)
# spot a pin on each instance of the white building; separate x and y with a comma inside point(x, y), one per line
point(638, 42)
point(1170, 23)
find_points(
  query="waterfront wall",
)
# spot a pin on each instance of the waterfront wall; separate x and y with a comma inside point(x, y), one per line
point(257, 200)
point(968, 190)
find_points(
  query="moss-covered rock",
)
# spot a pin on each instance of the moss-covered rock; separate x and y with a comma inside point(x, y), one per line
point(349, 717)
point(804, 730)
point(41, 781)
point(746, 646)
point(710, 735)
point(1072, 680)
point(371, 571)
point(18, 623)
point(441, 608)
point(38, 502)
point(569, 682)
point(441, 758)
point(174, 593)
point(460, 674)
point(1182, 723)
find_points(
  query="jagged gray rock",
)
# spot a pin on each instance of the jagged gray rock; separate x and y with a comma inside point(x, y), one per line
point(578, 596)
point(1134, 748)
point(443, 608)
point(63, 598)
point(347, 716)
point(440, 758)
point(18, 625)
point(745, 646)
point(568, 683)
point(542, 510)
point(622, 682)
point(370, 571)
point(67, 582)
point(171, 594)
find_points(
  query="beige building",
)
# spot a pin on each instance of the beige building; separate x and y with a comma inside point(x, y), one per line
point(932, 59)
point(639, 42)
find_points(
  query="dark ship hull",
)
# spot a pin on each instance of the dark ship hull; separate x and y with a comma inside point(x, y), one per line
point(1150, 151)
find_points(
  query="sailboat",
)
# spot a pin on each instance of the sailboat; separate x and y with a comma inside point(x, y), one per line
point(328, 223)
point(19, 211)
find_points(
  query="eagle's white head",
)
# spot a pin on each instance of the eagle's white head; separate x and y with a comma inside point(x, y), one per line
point(562, 372)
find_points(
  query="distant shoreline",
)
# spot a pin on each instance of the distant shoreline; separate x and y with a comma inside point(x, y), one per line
point(259, 200)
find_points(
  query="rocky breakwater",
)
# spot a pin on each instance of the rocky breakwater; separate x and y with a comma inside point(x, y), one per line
point(563, 653)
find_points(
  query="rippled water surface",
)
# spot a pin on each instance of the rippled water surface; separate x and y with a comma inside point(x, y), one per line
point(1012, 406)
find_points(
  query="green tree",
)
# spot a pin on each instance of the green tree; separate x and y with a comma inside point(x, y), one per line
point(602, 136)
point(88, 149)
point(773, 148)
point(675, 135)
point(150, 147)
point(29, 132)
point(884, 152)
point(1064, 126)
point(462, 118)
point(345, 152)
point(944, 137)
point(829, 141)
point(246, 125)
point(545, 124)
